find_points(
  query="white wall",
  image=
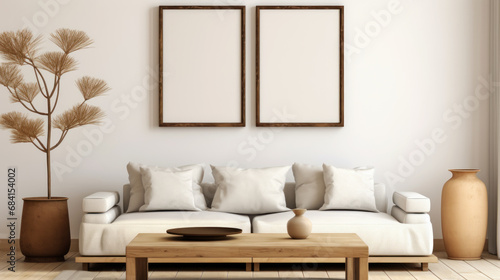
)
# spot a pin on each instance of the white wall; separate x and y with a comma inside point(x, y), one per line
point(405, 79)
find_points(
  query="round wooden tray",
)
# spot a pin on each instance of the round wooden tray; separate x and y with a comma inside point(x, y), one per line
point(204, 233)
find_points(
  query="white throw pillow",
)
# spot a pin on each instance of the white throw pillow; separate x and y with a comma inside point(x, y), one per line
point(137, 189)
point(167, 190)
point(351, 189)
point(309, 186)
point(249, 191)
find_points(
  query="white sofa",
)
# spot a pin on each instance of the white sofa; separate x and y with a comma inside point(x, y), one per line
point(404, 235)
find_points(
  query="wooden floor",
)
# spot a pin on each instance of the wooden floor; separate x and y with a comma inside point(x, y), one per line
point(486, 268)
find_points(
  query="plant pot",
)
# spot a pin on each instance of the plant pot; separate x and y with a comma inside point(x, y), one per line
point(45, 233)
point(464, 215)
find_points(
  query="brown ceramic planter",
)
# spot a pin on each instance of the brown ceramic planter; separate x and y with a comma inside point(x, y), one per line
point(45, 234)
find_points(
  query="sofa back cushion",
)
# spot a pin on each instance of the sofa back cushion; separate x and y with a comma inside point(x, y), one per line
point(249, 190)
point(349, 189)
point(168, 190)
point(137, 190)
point(289, 190)
point(209, 191)
point(309, 186)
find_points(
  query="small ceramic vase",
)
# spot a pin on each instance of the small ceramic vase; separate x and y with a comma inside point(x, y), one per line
point(299, 227)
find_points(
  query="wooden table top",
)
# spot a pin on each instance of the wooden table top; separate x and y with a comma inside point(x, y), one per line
point(320, 245)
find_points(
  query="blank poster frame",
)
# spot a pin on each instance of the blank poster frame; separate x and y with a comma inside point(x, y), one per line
point(214, 19)
point(275, 51)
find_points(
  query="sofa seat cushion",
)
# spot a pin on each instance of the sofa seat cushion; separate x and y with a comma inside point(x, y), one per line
point(111, 239)
point(182, 218)
point(383, 234)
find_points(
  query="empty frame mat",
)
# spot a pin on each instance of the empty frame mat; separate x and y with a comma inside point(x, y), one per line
point(300, 66)
point(202, 62)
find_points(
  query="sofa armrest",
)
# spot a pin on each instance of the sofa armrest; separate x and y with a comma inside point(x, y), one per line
point(412, 202)
point(100, 202)
point(102, 218)
point(409, 218)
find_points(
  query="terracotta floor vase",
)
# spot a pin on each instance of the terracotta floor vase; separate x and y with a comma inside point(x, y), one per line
point(464, 215)
point(45, 233)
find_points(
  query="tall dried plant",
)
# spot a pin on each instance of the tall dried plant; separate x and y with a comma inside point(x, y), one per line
point(20, 49)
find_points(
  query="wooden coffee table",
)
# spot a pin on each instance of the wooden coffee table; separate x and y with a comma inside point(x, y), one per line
point(251, 246)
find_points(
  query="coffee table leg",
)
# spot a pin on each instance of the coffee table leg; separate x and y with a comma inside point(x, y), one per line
point(349, 269)
point(356, 268)
point(361, 269)
point(137, 269)
point(256, 266)
point(248, 266)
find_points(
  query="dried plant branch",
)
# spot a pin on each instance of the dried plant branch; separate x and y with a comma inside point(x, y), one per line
point(91, 87)
point(43, 148)
point(23, 129)
point(79, 115)
point(57, 63)
point(57, 79)
point(66, 120)
point(61, 138)
point(70, 40)
point(38, 73)
point(57, 88)
point(88, 114)
point(17, 47)
point(11, 78)
point(37, 145)
point(27, 92)
point(15, 98)
point(57, 96)
point(10, 75)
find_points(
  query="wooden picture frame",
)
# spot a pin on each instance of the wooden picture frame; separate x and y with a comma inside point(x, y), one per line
point(202, 66)
point(300, 66)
